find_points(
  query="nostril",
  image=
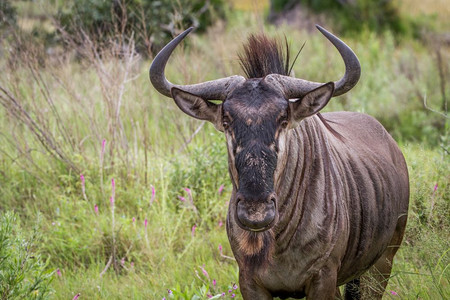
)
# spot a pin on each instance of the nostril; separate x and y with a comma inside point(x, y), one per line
point(239, 198)
point(272, 199)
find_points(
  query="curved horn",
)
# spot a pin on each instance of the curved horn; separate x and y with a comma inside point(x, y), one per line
point(209, 90)
point(296, 88)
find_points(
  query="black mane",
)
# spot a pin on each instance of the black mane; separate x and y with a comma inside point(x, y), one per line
point(262, 56)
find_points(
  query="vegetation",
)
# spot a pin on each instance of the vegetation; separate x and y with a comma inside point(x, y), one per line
point(152, 22)
point(128, 196)
point(352, 16)
point(7, 14)
point(23, 273)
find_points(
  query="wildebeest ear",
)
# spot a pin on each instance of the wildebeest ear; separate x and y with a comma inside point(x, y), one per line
point(197, 107)
point(312, 102)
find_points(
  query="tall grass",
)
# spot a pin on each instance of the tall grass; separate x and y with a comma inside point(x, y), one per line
point(92, 112)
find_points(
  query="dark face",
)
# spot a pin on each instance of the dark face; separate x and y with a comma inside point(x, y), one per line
point(254, 116)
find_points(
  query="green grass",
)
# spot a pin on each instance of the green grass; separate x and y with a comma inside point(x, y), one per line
point(421, 268)
point(149, 142)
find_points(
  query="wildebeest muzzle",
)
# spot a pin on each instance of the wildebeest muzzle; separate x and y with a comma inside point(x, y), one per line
point(256, 213)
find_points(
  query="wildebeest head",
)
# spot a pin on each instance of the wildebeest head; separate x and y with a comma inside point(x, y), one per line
point(255, 115)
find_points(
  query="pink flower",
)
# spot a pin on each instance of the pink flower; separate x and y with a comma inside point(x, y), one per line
point(58, 272)
point(223, 294)
point(394, 293)
point(220, 189)
point(235, 286)
point(145, 223)
point(193, 229)
point(214, 282)
point(111, 200)
point(132, 264)
point(169, 292)
point(204, 272)
point(182, 198)
point(133, 220)
point(220, 223)
point(233, 295)
point(188, 190)
point(220, 249)
point(209, 296)
point(122, 261)
point(435, 187)
point(76, 296)
point(96, 209)
point(83, 185)
point(153, 194)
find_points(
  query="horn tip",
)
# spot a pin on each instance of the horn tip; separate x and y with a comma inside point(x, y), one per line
point(321, 29)
point(185, 33)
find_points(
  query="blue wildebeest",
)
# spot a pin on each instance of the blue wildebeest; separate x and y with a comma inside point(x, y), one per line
point(318, 200)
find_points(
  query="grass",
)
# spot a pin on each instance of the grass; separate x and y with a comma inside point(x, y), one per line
point(436, 8)
point(421, 269)
point(56, 114)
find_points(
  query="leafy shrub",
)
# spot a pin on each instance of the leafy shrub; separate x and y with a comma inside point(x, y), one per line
point(8, 14)
point(8, 21)
point(23, 273)
point(152, 22)
point(354, 15)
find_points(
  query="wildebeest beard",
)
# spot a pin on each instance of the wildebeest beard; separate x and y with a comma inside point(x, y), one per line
point(258, 248)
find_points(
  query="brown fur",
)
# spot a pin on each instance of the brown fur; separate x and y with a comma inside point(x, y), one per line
point(250, 243)
point(257, 248)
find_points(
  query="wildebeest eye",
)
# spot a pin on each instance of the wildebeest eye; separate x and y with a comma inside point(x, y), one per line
point(284, 123)
point(225, 122)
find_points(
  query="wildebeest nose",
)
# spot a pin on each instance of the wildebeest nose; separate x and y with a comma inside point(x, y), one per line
point(256, 215)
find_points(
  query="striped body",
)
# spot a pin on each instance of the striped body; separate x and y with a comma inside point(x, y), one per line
point(340, 197)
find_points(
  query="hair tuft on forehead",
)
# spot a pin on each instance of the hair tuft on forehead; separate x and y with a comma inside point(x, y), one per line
point(262, 56)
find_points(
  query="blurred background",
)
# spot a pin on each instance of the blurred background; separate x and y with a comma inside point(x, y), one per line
point(108, 191)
